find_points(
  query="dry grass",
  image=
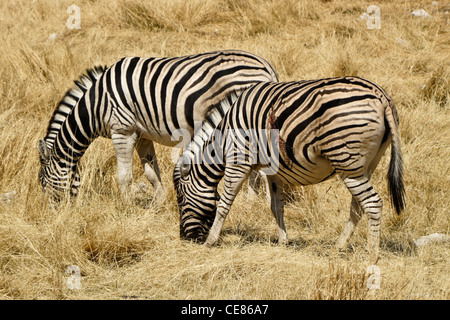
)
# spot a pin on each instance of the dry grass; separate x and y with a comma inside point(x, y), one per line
point(133, 249)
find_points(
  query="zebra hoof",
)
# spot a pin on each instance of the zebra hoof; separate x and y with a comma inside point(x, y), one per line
point(210, 242)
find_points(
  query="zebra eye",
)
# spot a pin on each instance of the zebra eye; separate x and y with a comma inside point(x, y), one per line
point(185, 167)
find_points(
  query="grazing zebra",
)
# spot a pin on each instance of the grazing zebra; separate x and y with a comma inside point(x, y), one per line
point(138, 101)
point(305, 132)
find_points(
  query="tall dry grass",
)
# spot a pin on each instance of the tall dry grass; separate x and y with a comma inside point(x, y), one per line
point(133, 249)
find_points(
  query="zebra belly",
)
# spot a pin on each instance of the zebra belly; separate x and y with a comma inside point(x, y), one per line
point(305, 173)
point(170, 139)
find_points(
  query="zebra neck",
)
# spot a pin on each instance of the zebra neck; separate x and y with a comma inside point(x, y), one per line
point(75, 135)
point(70, 100)
point(193, 151)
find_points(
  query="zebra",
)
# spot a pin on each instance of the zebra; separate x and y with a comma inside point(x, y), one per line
point(138, 101)
point(305, 132)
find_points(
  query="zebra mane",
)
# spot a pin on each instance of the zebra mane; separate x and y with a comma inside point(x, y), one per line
point(68, 102)
point(208, 126)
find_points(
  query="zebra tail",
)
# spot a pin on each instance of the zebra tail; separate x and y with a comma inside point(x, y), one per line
point(395, 174)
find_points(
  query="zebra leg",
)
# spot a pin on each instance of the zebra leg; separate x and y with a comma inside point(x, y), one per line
point(277, 206)
point(371, 204)
point(355, 209)
point(146, 151)
point(233, 179)
point(124, 146)
point(355, 216)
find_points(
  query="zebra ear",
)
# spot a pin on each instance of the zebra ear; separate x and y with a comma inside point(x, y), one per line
point(185, 167)
point(43, 151)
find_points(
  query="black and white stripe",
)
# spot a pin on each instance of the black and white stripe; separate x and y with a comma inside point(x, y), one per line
point(138, 101)
point(305, 132)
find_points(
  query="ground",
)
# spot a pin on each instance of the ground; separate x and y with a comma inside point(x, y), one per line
point(100, 247)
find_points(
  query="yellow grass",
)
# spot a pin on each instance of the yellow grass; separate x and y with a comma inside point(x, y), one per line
point(133, 249)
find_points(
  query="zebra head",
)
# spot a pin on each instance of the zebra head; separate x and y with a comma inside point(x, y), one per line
point(197, 200)
point(56, 177)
